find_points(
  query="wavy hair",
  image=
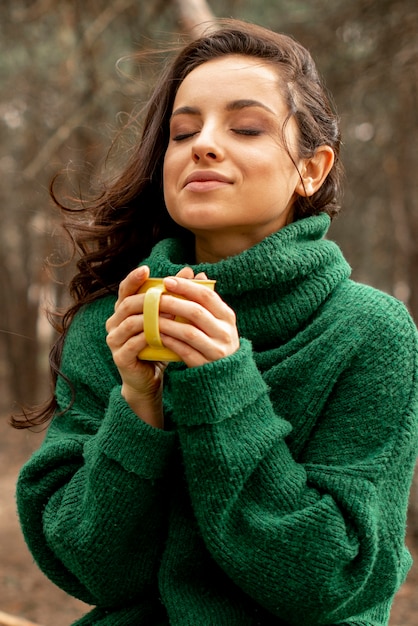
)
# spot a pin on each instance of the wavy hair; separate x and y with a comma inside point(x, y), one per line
point(121, 225)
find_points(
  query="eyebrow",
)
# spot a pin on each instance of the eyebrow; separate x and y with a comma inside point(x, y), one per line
point(235, 105)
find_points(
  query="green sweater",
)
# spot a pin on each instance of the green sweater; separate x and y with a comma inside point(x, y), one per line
point(278, 492)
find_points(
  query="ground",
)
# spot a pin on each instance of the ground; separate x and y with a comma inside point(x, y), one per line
point(26, 593)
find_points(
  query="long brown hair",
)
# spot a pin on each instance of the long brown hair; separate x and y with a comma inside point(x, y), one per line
point(121, 225)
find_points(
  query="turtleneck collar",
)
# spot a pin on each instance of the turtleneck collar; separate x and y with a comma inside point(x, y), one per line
point(275, 286)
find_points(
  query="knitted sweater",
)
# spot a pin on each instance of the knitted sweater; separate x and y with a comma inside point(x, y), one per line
point(277, 494)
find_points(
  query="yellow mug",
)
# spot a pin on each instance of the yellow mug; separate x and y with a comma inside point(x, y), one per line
point(153, 289)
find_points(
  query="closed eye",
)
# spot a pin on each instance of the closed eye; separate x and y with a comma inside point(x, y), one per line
point(252, 132)
point(182, 136)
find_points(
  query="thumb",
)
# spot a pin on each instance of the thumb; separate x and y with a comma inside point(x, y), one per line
point(186, 272)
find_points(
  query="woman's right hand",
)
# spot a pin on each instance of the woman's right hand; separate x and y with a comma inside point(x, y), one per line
point(142, 381)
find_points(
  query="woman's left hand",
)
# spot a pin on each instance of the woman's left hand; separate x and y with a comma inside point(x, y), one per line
point(209, 331)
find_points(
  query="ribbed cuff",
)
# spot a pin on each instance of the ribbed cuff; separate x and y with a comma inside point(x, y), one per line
point(137, 446)
point(216, 391)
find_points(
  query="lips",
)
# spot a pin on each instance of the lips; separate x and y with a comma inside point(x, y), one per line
point(206, 179)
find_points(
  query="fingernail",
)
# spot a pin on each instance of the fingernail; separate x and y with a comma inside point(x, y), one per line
point(170, 282)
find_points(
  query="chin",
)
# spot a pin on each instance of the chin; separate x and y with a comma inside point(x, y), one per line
point(198, 219)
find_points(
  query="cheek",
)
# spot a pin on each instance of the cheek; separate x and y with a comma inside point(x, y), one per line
point(166, 166)
point(171, 166)
point(262, 169)
point(167, 176)
point(171, 191)
point(167, 192)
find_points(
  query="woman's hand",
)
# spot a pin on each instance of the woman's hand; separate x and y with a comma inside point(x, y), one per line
point(210, 332)
point(141, 380)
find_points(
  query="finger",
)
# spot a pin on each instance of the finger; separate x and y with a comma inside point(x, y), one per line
point(198, 328)
point(193, 291)
point(120, 333)
point(201, 330)
point(129, 302)
point(201, 276)
point(131, 284)
point(186, 272)
point(188, 310)
point(130, 306)
point(125, 356)
point(194, 347)
point(188, 354)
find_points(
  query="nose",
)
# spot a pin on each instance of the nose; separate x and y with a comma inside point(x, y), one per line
point(206, 146)
point(198, 156)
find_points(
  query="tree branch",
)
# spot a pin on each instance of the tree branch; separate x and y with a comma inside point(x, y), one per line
point(106, 17)
point(195, 16)
point(52, 144)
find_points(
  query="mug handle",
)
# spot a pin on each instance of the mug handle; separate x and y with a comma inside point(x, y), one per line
point(151, 316)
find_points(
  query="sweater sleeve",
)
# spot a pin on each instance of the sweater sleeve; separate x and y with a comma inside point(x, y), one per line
point(316, 536)
point(91, 500)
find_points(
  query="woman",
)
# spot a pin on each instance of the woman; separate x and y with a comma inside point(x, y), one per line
point(265, 478)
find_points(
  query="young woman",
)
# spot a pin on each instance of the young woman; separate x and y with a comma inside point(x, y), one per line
point(264, 479)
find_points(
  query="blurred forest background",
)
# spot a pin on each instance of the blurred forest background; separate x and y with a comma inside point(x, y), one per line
point(63, 96)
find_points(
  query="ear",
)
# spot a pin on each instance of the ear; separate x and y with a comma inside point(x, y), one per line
point(315, 170)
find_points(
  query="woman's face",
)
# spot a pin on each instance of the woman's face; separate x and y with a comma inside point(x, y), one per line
point(228, 177)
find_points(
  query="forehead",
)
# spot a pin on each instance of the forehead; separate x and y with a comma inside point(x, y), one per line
point(229, 77)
